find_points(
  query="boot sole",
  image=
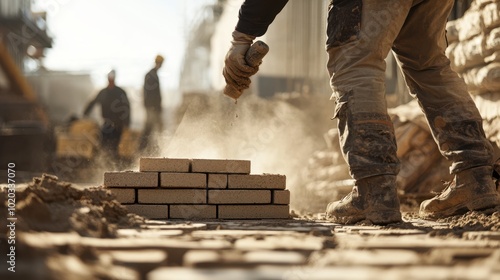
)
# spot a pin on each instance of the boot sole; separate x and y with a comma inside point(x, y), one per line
point(375, 217)
point(483, 202)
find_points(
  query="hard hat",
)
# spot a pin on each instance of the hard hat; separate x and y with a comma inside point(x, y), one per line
point(159, 59)
point(112, 74)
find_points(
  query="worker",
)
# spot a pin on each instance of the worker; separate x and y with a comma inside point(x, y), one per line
point(115, 110)
point(152, 103)
point(360, 34)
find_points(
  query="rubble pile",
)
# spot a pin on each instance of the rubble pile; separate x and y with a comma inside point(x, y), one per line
point(48, 204)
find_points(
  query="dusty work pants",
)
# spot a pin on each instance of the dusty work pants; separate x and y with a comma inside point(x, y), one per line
point(360, 35)
point(154, 123)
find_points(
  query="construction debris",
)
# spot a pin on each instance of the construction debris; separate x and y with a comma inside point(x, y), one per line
point(48, 204)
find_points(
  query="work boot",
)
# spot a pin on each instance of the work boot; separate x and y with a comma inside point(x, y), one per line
point(471, 189)
point(374, 199)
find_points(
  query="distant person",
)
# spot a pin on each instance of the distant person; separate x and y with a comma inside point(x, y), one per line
point(152, 103)
point(115, 109)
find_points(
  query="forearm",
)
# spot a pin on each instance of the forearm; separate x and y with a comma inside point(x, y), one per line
point(256, 15)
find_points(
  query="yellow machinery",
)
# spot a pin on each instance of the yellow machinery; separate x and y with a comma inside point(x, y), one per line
point(82, 140)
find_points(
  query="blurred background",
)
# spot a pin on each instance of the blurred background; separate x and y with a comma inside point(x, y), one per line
point(55, 55)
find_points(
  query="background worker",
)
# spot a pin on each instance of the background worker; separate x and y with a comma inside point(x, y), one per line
point(152, 104)
point(360, 34)
point(115, 110)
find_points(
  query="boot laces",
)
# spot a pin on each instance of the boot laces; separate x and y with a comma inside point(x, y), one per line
point(351, 194)
point(447, 188)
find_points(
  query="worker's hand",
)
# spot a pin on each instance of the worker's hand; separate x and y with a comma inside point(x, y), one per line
point(236, 70)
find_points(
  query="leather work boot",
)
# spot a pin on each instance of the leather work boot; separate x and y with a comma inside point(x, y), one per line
point(374, 199)
point(471, 189)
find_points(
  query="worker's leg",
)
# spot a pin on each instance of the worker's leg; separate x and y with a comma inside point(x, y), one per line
point(111, 136)
point(454, 119)
point(360, 36)
point(148, 128)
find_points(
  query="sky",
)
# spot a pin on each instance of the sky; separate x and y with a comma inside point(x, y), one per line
point(95, 36)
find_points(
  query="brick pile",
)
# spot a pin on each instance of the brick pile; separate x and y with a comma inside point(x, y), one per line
point(168, 188)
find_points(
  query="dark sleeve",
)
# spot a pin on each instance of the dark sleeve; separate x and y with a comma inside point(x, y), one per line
point(91, 104)
point(256, 15)
point(126, 103)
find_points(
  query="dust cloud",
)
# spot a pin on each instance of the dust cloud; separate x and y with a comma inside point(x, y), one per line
point(277, 136)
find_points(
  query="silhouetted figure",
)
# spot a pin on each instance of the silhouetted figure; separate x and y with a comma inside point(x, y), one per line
point(115, 109)
point(152, 104)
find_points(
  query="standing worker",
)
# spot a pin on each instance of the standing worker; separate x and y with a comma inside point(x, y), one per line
point(115, 110)
point(360, 34)
point(152, 103)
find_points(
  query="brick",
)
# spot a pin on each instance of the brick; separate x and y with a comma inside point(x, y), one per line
point(131, 179)
point(266, 181)
point(124, 195)
point(220, 166)
point(183, 180)
point(164, 164)
point(173, 196)
point(217, 181)
point(281, 197)
point(193, 211)
point(239, 196)
point(139, 259)
point(253, 212)
point(149, 211)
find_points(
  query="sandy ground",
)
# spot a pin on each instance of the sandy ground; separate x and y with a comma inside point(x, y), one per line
point(63, 232)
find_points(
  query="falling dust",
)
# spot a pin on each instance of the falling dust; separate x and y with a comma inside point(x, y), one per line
point(48, 204)
point(278, 137)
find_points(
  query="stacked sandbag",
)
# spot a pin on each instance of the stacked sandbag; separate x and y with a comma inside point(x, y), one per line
point(327, 174)
point(422, 165)
point(474, 53)
point(474, 46)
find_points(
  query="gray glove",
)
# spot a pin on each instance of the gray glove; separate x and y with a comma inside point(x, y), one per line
point(236, 70)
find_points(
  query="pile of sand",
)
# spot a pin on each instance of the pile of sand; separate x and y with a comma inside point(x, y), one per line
point(50, 205)
point(475, 220)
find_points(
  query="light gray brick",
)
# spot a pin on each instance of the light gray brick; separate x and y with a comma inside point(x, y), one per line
point(217, 181)
point(193, 211)
point(281, 197)
point(149, 211)
point(183, 180)
point(220, 166)
point(239, 196)
point(265, 181)
point(253, 211)
point(172, 196)
point(131, 179)
point(164, 164)
point(123, 195)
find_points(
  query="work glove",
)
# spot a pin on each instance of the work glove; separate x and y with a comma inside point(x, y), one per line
point(236, 70)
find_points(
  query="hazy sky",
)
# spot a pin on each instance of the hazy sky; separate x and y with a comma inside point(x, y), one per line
point(97, 35)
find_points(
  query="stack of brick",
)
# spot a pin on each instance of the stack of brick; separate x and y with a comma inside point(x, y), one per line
point(168, 188)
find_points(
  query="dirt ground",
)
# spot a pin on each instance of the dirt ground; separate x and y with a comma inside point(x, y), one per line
point(64, 231)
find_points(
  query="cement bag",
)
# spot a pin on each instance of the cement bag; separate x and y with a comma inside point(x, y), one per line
point(470, 25)
point(483, 79)
point(491, 15)
point(467, 54)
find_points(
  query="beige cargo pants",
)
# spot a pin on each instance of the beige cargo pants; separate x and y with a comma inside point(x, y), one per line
point(360, 35)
